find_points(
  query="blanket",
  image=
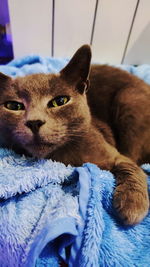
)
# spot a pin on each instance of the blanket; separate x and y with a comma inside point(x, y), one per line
point(50, 211)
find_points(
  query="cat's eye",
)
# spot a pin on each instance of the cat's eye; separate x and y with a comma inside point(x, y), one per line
point(58, 101)
point(14, 105)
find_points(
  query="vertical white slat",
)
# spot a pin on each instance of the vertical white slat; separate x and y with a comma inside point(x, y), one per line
point(138, 50)
point(113, 22)
point(31, 22)
point(73, 25)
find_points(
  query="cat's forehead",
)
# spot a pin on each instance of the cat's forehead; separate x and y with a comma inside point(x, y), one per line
point(42, 84)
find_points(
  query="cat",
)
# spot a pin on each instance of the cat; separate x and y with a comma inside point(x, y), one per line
point(98, 114)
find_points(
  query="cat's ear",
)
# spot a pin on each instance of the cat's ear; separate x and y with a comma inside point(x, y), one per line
point(4, 79)
point(77, 70)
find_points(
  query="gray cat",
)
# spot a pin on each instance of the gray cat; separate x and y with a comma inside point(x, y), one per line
point(80, 115)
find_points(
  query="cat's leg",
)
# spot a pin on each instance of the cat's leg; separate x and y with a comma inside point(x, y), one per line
point(130, 199)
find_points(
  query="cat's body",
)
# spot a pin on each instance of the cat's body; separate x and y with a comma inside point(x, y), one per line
point(108, 126)
point(122, 101)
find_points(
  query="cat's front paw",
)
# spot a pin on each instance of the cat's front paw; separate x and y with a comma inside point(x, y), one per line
point(131, 205)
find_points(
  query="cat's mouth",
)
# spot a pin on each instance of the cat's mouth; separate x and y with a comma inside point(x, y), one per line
point(33, 144)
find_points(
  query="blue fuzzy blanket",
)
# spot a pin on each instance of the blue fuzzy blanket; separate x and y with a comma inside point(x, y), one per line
point(47, 207)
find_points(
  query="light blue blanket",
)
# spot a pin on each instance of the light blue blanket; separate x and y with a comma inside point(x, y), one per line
point(46, 206)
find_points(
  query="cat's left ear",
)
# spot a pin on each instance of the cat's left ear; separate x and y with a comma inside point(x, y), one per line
point(77, 70)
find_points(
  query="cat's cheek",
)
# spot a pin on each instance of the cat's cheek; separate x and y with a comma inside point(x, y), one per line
point(22, 136)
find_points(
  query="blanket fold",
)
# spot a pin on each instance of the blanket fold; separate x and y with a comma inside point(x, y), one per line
point(71, 207)
point(49, 211)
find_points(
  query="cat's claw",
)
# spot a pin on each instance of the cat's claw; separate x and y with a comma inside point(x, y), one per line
point(131, 206)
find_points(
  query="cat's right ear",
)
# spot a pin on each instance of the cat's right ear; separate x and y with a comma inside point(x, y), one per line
point(77, 70)
point(4, 79)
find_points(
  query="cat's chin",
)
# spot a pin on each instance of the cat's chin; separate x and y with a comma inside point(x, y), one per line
point(40, 151)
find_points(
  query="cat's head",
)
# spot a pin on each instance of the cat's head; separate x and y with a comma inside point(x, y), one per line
point(42, 113)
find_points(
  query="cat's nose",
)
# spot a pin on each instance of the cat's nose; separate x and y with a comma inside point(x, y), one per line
point(34, 125)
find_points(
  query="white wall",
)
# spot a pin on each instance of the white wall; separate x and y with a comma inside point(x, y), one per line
point(138, 50)
point(73, 25)
point(118, 30)
point(31, 26)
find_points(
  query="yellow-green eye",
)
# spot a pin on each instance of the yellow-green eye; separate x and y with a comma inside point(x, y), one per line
point(14, 105)
point(58, 101)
